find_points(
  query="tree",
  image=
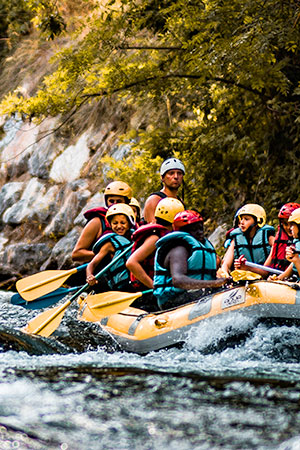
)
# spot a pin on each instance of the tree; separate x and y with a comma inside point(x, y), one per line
point(220, 78)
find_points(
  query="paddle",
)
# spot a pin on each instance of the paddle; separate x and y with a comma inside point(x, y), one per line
point(266, 268)
point(47, 322)
point(112, 302)
point(40, 284)
point(44, 301)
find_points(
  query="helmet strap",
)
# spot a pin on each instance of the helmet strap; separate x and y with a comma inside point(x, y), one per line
point(248, 231)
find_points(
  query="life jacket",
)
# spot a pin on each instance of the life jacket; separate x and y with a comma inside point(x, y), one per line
point(296, 243)
point(202, 263)
point(98, 212)
point(139, 237)
point(258, 250)
point(228, 238)
point(282, 240)
point(117, 276)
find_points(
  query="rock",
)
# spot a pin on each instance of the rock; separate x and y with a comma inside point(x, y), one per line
point(217, 237)
point(70, 204)
point(35, 204)
point(96, 201)
point(60, 257)
point(10, 194)
point(40, 162)
point(67, 166)
point(25, 258)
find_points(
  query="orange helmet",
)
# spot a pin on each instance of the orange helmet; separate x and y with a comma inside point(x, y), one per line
point(118, 188)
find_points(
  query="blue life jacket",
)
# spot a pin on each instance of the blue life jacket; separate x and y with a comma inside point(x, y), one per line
point(296, 243)
point(202, 263)
point(259, 249)
point(118, 277)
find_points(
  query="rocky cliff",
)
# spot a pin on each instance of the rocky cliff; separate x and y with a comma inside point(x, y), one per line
point(47, 181)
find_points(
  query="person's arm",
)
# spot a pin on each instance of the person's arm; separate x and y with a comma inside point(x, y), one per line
point(134, 263)
point(176, 260)
point(271, 240)
point(89, 235)
point(293, 257)
point(150, 206)
point(228, 260)
point(239, 263)
point(105, 250)
point(286, 274)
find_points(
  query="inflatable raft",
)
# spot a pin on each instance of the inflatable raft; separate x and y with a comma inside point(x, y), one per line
point(138, 331)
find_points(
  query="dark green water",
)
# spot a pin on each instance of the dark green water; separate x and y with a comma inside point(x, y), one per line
point(206, 395)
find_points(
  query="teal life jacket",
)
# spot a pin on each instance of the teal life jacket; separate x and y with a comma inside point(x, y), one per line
point(118, 277)
point(202, 263)
point(258, 250)
point(296, 243)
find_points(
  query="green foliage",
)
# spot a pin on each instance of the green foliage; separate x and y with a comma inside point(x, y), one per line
point(221, 80)
point(15, 17)
point(47, 17)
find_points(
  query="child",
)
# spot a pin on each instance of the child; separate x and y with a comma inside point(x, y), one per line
point(136, 209)
point(292, 252)
point(283, 238)
point(115, 192)
point(252, 240)
point(122, 220)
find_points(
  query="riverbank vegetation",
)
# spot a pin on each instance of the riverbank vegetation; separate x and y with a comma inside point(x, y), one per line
point(216, 83)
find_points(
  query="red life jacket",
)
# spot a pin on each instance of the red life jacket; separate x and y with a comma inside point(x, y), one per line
point(98, 212)
point(139, 237)
point(282, 240)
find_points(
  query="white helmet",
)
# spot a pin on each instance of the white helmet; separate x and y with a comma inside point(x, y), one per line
point(171, 164)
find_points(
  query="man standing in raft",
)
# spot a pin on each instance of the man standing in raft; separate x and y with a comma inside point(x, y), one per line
point(184, 260)
point(171, 172)
point(115, 192)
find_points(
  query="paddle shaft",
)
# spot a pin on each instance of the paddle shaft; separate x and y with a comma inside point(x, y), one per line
point(44, 301)
point(266, 268)
point(60, 310)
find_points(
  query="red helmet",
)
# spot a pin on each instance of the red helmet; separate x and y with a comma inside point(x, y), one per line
point(184, 218)
point(287, 209)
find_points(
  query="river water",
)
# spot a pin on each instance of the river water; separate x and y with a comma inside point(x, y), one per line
point(212, 393)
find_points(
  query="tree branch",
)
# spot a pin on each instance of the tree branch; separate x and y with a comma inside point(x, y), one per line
point(147, 47)
point(165, 77)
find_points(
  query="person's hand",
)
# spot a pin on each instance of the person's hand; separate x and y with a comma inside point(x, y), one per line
point(221, 281)
point(273, 277)
point(290, 254)
point(240, 263)
point(221, 273)
point(91, 280)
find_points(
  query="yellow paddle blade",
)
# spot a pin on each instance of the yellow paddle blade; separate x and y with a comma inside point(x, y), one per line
point(113, 302)
point(239, 275)
point(47, 322)
point(42, 283)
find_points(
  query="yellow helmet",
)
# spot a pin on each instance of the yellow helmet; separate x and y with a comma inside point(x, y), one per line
point(295, 216)
point(167, 208)
point(254, 210)
point(121, 208)
point(118, 188)
point(134, 202)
